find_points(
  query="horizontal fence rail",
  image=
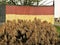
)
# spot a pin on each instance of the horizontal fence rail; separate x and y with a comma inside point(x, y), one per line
point(30, 10)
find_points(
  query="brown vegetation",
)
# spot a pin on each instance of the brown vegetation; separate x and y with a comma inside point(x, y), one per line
point(29, 32)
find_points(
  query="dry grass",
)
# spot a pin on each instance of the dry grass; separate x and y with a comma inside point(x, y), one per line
point(29, 32)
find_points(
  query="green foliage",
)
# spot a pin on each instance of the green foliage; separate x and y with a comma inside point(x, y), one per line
point(11, 3)
point(25, 2)
point(31, 2)
point(58, 28)
point(3, 2)
point(28, 2)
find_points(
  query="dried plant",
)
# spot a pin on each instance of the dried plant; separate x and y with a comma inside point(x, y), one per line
point(25, 32)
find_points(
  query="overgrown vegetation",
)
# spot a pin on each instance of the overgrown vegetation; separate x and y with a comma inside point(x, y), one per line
point(24, 2)
point(58, 28)
point(25, 32)
point(3, 2)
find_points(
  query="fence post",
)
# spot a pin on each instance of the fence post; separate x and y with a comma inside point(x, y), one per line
point(2, 13)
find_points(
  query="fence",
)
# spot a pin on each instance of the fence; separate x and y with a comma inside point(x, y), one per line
point(45, 13)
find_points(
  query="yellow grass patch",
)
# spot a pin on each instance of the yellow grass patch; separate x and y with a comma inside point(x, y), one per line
point(49, 18)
